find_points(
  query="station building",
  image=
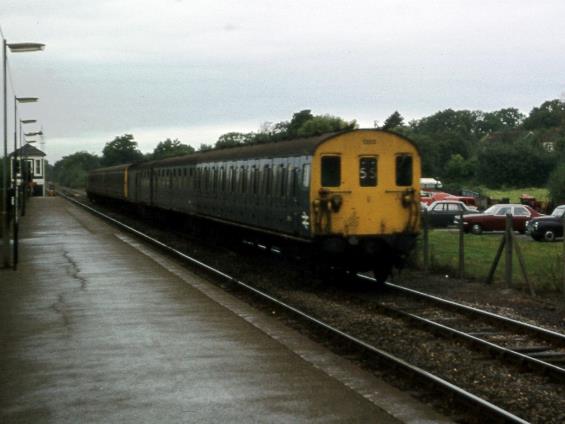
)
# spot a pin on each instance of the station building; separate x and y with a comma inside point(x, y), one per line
point(33, 161)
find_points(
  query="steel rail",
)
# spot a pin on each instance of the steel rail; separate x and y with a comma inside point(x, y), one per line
point(534, 363)
point(539, 331)
point(464, 396)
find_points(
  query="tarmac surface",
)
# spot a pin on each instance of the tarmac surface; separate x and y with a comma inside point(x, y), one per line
point(97, 327)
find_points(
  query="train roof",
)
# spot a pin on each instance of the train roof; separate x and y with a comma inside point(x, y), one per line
point(294, 147)
point(111, 168)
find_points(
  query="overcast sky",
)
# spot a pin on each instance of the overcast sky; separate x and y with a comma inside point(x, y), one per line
point(193, 70)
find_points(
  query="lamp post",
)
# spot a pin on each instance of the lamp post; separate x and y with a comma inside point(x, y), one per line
point(15, 219)
point(14, 48)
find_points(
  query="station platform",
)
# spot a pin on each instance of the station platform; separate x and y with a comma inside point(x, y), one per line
point(98, 327)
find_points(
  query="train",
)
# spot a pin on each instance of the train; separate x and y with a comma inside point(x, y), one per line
point(348, 200)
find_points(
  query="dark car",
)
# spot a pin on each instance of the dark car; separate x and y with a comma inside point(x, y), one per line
point(494, 218)
point(547, 227)
point(443, 212)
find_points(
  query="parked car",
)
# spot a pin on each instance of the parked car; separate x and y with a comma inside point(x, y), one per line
point(443, 212)
point(547, 227)
point(494, 218)
point(428, 197)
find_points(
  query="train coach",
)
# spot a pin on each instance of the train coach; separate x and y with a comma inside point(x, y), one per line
point(351, 198)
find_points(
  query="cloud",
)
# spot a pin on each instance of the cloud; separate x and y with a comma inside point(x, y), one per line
point(112, 66)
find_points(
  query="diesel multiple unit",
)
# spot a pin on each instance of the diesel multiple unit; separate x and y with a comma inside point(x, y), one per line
point(350, 199)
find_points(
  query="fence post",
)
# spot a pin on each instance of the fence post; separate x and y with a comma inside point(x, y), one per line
point(426, 242)
point(496, 260)
point(508, 262)
point(522, 263)
point(461, 247)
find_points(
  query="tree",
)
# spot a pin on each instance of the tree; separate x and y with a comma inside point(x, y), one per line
point(169, 148)
point(521, 164)
point(122, 149)
point(445, 134)
point(556, 184)
point(321, 124)
point(393, 121)
point(458, 169)
point(297, 121)
point(72, 170)
point(500, 120)
point(550, 114)
point(205, 147)
point(231, 139)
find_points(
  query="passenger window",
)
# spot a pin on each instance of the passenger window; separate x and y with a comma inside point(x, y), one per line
point(306, 175)
point(283, 177)
point(267, 178)
point(233, 179)
point(404, 170)
point(368, 171)
point(222, 179)
point(294, 181)
point(331, 171)
point(243, 179)
point(504, 210)
point(521, 212)
point(214, 179)
point(255, 179)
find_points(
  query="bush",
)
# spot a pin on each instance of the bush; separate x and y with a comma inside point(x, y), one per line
point(556, 184)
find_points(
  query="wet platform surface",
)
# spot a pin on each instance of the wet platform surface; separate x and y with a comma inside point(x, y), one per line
point(97, 327)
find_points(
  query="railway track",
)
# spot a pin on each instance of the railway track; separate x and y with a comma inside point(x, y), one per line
point(435, 383)
point(535, 348)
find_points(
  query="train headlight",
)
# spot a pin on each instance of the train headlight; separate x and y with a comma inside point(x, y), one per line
point(316, 205)
point(408, 198)
point(336, 202)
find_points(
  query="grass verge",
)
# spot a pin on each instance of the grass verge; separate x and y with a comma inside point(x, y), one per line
point(544, 261)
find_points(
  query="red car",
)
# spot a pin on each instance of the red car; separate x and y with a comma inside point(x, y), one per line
point(494, 218)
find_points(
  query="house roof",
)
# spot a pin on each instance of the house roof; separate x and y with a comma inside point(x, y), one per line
point(28, 150)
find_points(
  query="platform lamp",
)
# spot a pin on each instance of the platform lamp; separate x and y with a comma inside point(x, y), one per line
point(14, 48)
point(15, 220)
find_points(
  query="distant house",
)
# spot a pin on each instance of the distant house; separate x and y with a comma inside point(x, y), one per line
point(33, 161)
point(549, 146)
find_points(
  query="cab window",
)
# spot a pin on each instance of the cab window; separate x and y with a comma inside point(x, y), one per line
point(368, 171)
point(331, 171)
point(404, 170)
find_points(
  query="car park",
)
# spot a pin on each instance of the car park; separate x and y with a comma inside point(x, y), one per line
point(442, 213)
point(494, 218)
point(547, 228)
